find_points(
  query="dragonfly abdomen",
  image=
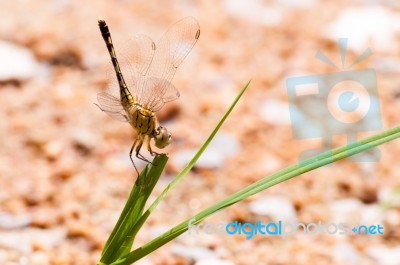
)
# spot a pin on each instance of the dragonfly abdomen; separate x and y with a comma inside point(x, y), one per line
point(126, 97)
point(143, 121)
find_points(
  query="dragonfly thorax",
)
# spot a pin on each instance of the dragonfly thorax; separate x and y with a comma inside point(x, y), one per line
point(143, 120)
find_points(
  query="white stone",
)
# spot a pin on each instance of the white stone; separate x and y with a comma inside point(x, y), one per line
point(371, 214)
point(255, 11)
point(345, 253)
point(363, 26)
point(220, 148)
point(158, 230)
point(8, 221)
point(213, 262)
point(384, 255)
point(16, 62)
point(23, 240)
point(386, 64)
point(296, 3)
point(278, 207)
point(389, 196)
point(84, 137)
point(195, 253)
point(275, 112)
point(39, 258)
point(342, 210)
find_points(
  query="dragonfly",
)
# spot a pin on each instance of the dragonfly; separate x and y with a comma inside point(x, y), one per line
point(142, 82)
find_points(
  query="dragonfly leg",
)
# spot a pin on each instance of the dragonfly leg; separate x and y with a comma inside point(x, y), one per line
point(130, 156)
point(138, 154)
point(149, 147)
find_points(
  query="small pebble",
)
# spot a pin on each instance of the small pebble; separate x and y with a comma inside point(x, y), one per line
point(345, 252)
point(389, 196)
point(296, 3)
point(8, 221)
point(53, 149)
point(16, 62)
point(40, 258)
point(23, 241)
point(194, 253)
point(374, 25)
point(275, 112)
point(278, 207)
point(221, 147)
point(385, 255)
point(254, 10)
point(345, 209)
point(213, 262)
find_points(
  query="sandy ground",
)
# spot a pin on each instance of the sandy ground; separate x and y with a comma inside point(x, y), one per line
point(64, 167)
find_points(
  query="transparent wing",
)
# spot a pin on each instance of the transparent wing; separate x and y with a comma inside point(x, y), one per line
point(157, 92)
point(112, 106)
point(135, 59)
point(171, 50)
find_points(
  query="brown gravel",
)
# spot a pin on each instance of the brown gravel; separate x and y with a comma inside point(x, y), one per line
point(64, 166)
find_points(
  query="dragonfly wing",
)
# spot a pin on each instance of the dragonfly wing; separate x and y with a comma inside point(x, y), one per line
point(157, 92)
point(134, 61)
point(170, 52)
point(136, 57)
point(112, 106)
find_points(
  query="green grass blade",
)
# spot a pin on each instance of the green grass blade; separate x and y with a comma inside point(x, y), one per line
point(120, 241)
point(282, 175)
point(189, 166)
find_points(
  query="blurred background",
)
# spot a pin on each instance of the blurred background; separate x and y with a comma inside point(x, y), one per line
point(64, 167)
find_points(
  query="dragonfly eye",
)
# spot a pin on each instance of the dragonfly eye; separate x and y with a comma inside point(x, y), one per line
point(162, 137)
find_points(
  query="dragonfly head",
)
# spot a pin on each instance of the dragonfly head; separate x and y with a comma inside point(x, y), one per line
point(162, 137)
